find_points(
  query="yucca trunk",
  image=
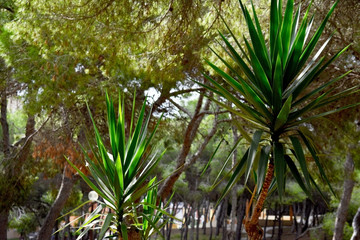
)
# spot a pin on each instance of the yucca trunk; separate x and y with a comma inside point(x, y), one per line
point(275, 77)
point(133, 234)
point(252, 226)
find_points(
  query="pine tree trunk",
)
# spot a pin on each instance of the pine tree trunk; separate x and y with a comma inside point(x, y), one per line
point(274, 222)
point(280, 222)
point(68, 228)
point(224, 220)
point(308, 210)
point(4, 125)
point(57, 234)
point(192, 222)
point(252, 226)
point(345, 198)
point(295, 224)
point(266, 224)
point(186, 226)
point(183, 228)
point(356, 226)
point(198, 220)
point(207, 207)
point(233, 191)
point(170, 222)
point(4, 214)
point(315, 218)
point(211, 221)
point(54, 212)
point(183, 160)
point(303, 213)
point(233, 214)
point(4, 217)
point(219, 218)
point(12, 163)
point(240, 215)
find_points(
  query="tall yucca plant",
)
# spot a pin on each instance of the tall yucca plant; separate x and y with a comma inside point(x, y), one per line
point(274, 78)
point(122, 177)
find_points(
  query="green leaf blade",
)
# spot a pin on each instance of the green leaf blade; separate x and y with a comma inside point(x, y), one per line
point(252, 153)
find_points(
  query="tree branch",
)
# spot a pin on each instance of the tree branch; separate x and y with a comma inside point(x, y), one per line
point(207, 139)
point(28, 139)
point(84, 17)
point(180, 107)
point(189, 136)
point(9, 9)
point(172, 94)
point(211, 112)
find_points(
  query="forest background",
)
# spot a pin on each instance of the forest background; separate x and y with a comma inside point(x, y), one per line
point(58, 55)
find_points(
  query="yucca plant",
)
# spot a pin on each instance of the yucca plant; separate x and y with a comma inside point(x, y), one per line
point(121, 176)
point(154, 218)
point(274, 78)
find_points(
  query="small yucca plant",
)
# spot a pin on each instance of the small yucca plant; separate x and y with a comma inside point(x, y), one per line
point(274, 77)
point(153, 218)
point(121, 175)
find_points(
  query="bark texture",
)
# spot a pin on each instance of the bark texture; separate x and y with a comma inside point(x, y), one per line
point(64, 193)
point(11, 165)
point(234, 199)
point(240, 217)
point(183, 161)
point(5, 125)
point(132, 234)
point(252, 226)
point(4, 216)
point(345, 198)
point(356, 226)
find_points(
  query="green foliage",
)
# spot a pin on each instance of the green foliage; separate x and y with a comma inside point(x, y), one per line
point(17, 122)
point(353, 206)
point(278, 100)
point(329, 218)
point(181, 186)
point(7, 11)
point(317, 233)
point(329, 224)
point(294, 193)
point(122, 176)
point(103, 31)
point(152, 214)
point(24, 224)
point(74, 199)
